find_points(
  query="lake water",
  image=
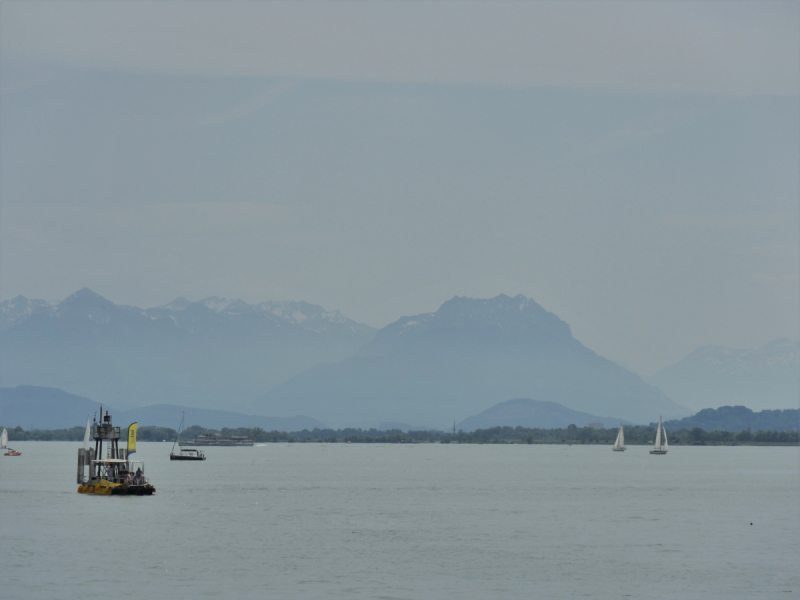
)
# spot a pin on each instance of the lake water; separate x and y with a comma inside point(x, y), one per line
point(408, 521)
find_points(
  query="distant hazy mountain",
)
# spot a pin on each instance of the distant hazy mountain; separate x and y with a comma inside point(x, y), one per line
point(432, 368)
point(738, 418)
point(169, 415)
point(33, 407)
point(213, 353)
point(13, 312)
point(524, 412)
point(712, 376)
point(309, 317)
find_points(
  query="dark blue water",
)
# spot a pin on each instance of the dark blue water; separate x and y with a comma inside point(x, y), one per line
point(408, 521)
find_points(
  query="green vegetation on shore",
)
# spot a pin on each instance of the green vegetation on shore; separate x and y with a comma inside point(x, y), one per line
point(634, 435)
point(148, 433)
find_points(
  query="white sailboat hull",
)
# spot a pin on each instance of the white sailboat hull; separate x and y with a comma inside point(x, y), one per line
point(658, 451)
point(619, 449)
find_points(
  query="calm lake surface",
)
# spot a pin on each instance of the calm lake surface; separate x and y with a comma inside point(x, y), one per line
point(408, 521)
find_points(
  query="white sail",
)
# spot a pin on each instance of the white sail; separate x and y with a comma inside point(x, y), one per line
point(658, 435)
point(620, 439)
point(4, 439)
point(87, 435)
point(666, 443)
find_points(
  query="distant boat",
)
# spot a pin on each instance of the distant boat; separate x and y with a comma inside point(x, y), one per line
point(215, 439)
point(4, 444)
point(660, 448)
point(619, 445)
point(185, 453)
point(188, 454)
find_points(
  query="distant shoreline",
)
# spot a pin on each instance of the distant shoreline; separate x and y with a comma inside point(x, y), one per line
point(497, 443)
point(572, 435)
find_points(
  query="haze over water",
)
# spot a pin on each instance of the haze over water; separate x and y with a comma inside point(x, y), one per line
point(408, 521)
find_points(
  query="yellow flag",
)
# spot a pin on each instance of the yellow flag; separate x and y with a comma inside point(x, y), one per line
point(132, 438)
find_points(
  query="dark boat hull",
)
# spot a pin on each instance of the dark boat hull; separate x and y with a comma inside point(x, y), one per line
point(135, 490)
point(179, 457)
point(104, 488)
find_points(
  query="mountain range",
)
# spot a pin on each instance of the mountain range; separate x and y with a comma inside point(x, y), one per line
point(470, 354)
point(32, 407)
point(210, 354)
point(282, 359)
point(738, 418)
point(713, 376)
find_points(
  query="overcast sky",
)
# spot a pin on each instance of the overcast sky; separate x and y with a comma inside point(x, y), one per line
point(631, 166)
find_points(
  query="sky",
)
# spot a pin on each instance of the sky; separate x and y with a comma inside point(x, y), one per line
point(633, 167)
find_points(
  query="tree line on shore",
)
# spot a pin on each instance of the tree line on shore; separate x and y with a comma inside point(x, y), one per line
point(634, 435)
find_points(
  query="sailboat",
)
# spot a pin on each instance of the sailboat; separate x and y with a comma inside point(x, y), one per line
point(4, 444)
point(619, 445)
point(660, 448)
point(186, 453)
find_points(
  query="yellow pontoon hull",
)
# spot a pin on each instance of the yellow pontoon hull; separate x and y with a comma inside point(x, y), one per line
point(107, 488)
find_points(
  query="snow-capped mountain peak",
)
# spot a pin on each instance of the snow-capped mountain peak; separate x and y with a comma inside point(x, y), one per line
point(19, 309)
point(177, 304)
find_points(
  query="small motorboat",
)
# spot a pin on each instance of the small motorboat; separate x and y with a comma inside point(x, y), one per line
point(185, 453)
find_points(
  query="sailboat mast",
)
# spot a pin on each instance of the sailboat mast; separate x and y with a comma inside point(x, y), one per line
point(177, 435)
point(658, 434)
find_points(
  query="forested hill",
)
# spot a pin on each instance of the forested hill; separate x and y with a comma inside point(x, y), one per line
point(738, 418)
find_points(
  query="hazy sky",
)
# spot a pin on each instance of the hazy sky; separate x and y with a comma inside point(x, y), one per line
point(631, 166)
